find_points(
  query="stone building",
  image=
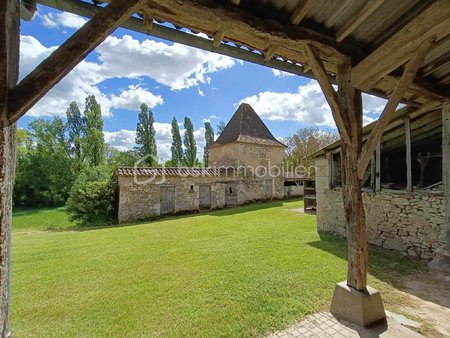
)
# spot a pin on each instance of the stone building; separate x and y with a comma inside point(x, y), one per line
point(246, 165)
point(403, 190)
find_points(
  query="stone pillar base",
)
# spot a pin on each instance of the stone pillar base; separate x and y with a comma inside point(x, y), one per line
point(357, 307)
point(441, 262)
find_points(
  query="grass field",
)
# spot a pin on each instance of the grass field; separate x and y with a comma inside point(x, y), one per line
point(235, 272)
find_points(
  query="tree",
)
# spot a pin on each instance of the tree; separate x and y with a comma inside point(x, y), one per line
point(145, 136)
point(190, 151)
point(94, 144)
point(176, 148)
point(305, 142)
point(76, 127)
point(209, 139)
point(220, 127)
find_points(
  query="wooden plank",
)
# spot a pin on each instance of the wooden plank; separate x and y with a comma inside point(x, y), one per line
point(373, 171)
point(301, 11)
point(370, 7)
point(33, 87)
point(270, 52)
point(218, 38)
point(446, 165)
point(433, 21)
point(9, 73)
point(336, 15)
point(407, 78)
point(330, 94)
point(408, 155)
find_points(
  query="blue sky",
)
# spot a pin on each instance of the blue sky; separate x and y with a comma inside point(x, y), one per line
point(174, 80)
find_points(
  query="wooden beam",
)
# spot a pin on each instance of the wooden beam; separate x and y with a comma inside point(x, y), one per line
point(433, 21)
point(336, 15)
point(33, 87)
point(446, 166)
point(331, 96)
point(270, 52)
point(407, 78)
point(218, 38)
point(408, 154)
point(148, 21)
point(357, 19)
point(236, 2)
point(378, 167)
point(301, 11)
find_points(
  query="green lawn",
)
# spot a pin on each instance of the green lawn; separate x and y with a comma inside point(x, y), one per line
point(40, 219)
point(235, 272)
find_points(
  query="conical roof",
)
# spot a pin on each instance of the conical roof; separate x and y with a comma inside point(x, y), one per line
point(246, 126)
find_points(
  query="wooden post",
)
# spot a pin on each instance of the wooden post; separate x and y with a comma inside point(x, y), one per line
point(446, 165)
point(408, 154)
point(378, 167)
point(9, 71)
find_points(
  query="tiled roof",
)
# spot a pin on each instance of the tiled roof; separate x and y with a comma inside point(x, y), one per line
point(176, 172)
point(246, 126)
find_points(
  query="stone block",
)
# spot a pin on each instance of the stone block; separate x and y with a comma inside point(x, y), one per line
point(357, 307)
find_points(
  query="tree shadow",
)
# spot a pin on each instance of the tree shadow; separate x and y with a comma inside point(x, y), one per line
point(393, 268)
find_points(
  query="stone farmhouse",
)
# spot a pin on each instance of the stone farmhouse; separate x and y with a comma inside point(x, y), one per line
point(403, 190)
point(246, 165)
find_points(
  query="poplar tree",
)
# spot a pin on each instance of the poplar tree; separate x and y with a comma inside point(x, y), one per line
point(190, 147)
point(209, 139)
point(76, 126)
point(176, 148)
point(145, 136)
point(94, 143)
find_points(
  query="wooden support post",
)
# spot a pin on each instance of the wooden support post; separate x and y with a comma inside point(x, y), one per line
point(33, 87)
point(378, 167)
point(9, 72)
point(446, 164)
point(372, 172)
point(408, 154)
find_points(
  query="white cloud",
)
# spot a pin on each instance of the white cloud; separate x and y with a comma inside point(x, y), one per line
point(279, 73)
point(125, 139)
point(175, 66)
point(133, 97)
point(200, 92)
point(64, 19)
point(307, 105)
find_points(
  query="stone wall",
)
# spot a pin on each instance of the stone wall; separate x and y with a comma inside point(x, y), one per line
point(411, 223)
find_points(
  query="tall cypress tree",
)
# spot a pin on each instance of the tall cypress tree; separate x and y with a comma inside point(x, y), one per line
point(209, 139)
point(176, 148)
point(94, 143)
point(145, 136)
point(190, 151)
point(76, 126)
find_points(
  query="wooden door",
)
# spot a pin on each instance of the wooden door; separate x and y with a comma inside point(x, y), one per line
point(167, 200)
point(205, 197)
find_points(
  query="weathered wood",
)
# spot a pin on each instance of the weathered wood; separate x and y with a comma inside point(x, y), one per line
point(433, 21)
point(408, 155)
point(358, 18)
point(9, 72)
point(67, 56)
point(351, 183)
point(331, 96)
point(446, 165)
point(301, 11)
point(407, 78)
point(373, 172)
point(270, 52)
point(218, 38)
point(378, 168)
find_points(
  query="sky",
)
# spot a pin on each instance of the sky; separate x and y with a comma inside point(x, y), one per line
point(130, 68)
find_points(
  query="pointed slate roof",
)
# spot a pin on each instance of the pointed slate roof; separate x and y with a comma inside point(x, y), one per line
point(246, 126)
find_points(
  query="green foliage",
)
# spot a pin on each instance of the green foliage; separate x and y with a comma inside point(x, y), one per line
point(176, 148)
point(44, 171)
point(220, 127)
point(91, 197)
point(190, 151)
point(116, 158)
point(209, 138)
point(93, 144)
point(145, 137)
point(76, 126)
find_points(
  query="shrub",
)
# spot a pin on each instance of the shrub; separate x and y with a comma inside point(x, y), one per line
point(91, 197)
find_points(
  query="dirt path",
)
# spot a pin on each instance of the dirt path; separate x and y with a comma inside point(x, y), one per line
point(427, 296)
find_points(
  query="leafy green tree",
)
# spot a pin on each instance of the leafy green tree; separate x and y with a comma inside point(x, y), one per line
point(145, 136)
point(116, 158)
point(220, 127)
point(76, 127)
point(91, 197)
point(176, 148)
point(209, 139)
point(190, 146)
point(94, 144)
